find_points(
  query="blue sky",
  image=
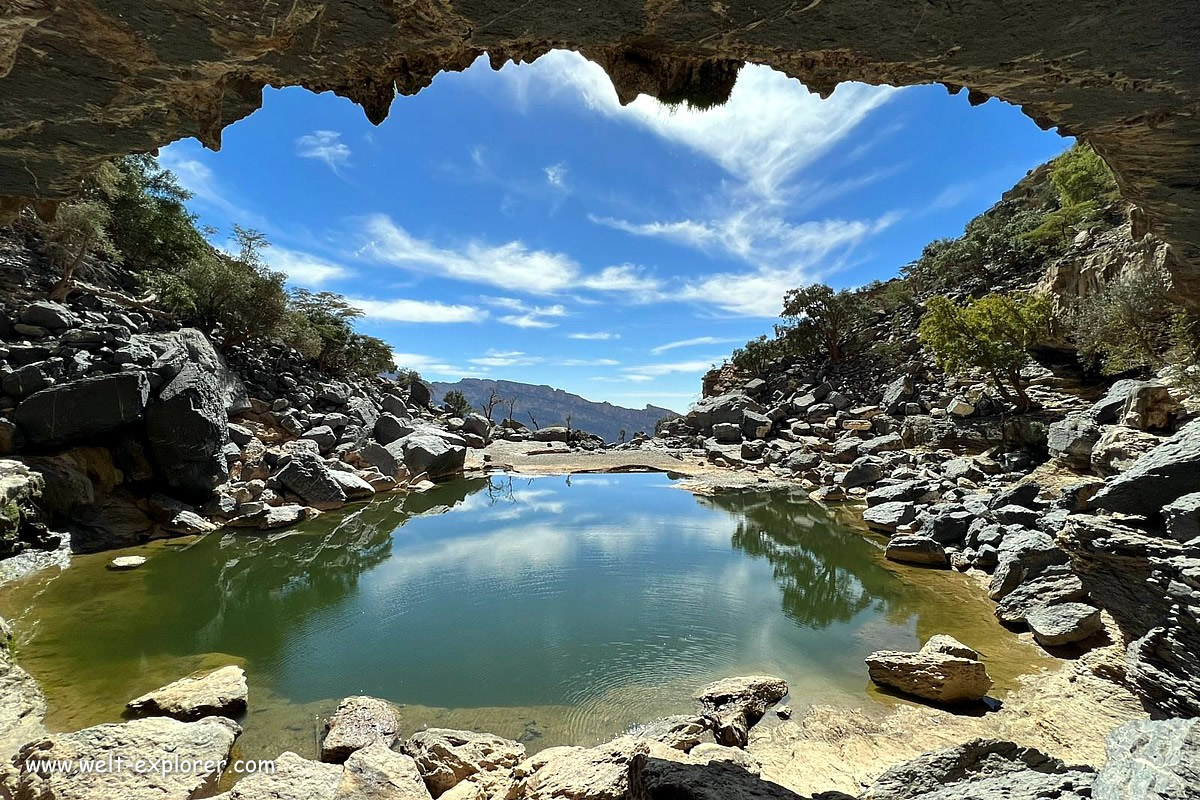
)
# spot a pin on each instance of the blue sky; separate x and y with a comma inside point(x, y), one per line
point(522, 225)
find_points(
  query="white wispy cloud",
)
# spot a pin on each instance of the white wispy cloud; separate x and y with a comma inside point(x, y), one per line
point(506, 265)
point(505, 358)
point(628, 279)
point(595, 336)
point(431, 365)
point(588, 362)
point(556, 176)
point(324, 146)
point(662, 348)
point(769, 130)
point(303, 269)
point(668, 368)
point(527, 316)
point(405, 310)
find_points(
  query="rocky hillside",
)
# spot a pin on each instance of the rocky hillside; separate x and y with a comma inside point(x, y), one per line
point(550, 406)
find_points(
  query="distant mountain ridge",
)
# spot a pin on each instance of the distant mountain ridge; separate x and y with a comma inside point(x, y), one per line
point(550, 406)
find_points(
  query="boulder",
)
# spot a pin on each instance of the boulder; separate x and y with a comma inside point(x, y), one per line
point(886, 517)
point(947, 645)
point(76, 410)
point(733, 705)
point(723, 408)
point(1050, 586)
point(428, 455)
point(354, 487)
point(1150, 407)
point(984, 769)
point(1013, 514)
point(611, 771)
point(294, 778)
point(394, 404)
point(755, 425)
point(48, 314)
point(124, 563)
point(378, 456)
point(887, 443)
point(420, 394)
point(324, 437)
point(914, 549)
point(1110, 408)
point(552, 433)
point(865, 471)
point(932, 673)
point(1070, 440)
point(306, 475)
point(1151, 760)
point(727, 432)
point(221, 692)
point(356, 723)
point(911, 491)
point(203, 744)
point(388, 428)
point(1119, 447)
point(448, 757)
point(897, 394)
point(20, 490)
point(960, 408)
point(1156, 479)
point(1022, 494)
point(190, 346)
point(680, 732)
point(1057, 625)
point(947, 523)
point(187, 428)
point(478, 425)
point(1182, 517)
point(376, 772)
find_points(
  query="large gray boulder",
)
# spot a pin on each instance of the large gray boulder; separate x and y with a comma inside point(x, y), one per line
point(187, 428)
point(1070, 440)
point(886, 517)
point(306, 475)
point(937, 672)
point(733, 705)
point(1158, 478)
point(611, 771)
point(723, 408)
point(204, 743)
point(190, 346)
point(376, 772)
point(429, 455)
point(219, 692)
point(388, 428)
point(1151, 760)
point(1065, 623)
point(1182, 517)
point(72, 411)
point(984, 769)
point(916, 549)
point(420, 394)
point(897, 394)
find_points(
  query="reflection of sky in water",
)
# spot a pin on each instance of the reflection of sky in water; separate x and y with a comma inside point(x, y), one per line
point(609, 595)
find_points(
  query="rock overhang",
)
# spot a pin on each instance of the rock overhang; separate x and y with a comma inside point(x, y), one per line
point(81, 82)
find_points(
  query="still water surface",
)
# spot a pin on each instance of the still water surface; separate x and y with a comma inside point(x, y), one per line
point(546, 609)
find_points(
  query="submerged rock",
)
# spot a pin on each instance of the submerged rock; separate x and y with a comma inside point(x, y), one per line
point(357, 722)
point(220, 692)
point(938, 672)
point(733, 705)
point(126, 562)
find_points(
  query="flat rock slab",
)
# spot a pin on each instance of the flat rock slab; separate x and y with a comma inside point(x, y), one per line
point(198, 746)
point(126, 562)
point(220, 692)
point(1054, 626)
point(939, 672)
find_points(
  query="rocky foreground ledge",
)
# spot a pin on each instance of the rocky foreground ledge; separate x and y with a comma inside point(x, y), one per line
point(700, 756)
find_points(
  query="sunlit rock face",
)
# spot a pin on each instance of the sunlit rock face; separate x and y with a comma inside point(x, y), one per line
point(83, 81)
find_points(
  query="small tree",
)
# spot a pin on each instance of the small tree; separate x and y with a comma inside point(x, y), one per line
point(821, 322)
point(757, 355)
point(79, 230)
point(992, 334)
point(457, 403)
point(1085, 187)
point(512, 403)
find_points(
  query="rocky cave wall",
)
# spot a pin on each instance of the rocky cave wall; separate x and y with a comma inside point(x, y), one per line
point(85, 80)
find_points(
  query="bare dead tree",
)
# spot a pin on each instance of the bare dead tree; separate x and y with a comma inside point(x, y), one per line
point(511, 404)
point(493, 399)
point(534, 421)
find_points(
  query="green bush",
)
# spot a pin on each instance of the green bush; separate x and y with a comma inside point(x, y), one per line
point(320, 325)
point(757, 355)
point(994, 243)
point(457, 403)
point(992, 334)
point(1127, 326)
point(1085, 187)
point(151, 227)
point(79, 230)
